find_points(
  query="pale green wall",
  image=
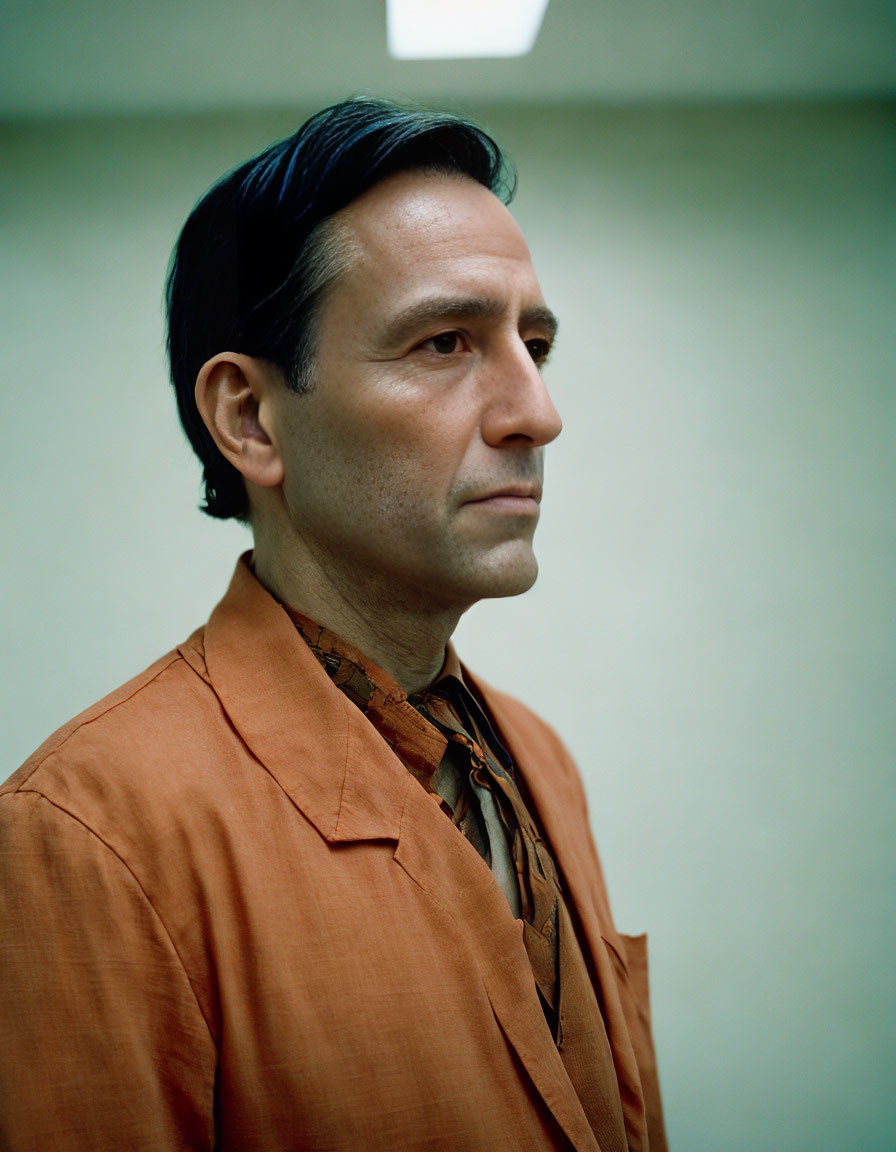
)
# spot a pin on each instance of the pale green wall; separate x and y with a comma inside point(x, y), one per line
point(713, 632)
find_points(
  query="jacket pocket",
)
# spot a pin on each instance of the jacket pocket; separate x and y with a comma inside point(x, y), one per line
point(629, 957)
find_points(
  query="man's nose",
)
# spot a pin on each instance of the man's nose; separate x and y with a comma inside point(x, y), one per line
point(519, 407)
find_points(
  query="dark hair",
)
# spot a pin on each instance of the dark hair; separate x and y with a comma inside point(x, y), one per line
point(255, 255)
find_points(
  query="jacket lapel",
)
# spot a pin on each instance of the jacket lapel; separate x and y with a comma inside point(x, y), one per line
point(443, 862)
point(328, 759)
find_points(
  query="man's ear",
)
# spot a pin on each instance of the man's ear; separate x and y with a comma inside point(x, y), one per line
point(234, 395)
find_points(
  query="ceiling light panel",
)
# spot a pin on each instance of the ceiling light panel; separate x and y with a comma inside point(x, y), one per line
point(449, 29)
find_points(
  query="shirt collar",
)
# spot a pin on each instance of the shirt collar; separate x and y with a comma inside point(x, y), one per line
point(365, 683)
point(417, 742)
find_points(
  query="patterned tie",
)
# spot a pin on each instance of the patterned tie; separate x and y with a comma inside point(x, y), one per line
point(535, 890)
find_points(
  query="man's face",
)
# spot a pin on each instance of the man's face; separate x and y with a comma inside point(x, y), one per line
point(413, 466)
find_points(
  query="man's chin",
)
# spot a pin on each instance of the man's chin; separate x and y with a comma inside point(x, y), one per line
point(512, 577)
point(509, 570)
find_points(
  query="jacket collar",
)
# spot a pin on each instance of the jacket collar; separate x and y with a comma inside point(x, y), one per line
point(287, 711)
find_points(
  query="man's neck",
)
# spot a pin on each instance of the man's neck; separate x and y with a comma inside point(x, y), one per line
point(407, 643)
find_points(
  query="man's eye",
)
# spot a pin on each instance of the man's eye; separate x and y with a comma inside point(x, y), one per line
point(539, 350)
point(445, 343)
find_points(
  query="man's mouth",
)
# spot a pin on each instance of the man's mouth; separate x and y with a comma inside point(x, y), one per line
point(510, 497)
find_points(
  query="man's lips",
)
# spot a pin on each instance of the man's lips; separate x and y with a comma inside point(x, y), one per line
point(512, 496)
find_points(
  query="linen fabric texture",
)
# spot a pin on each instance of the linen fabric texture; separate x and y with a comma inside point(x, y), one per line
point(231, 919)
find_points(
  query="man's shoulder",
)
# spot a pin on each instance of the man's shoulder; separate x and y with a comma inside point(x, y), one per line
point(126, 730)
point(513, 708)
point(509, 710)
point(522, 729)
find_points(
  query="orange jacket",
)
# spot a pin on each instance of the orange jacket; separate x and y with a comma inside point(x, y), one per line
point(232, 919)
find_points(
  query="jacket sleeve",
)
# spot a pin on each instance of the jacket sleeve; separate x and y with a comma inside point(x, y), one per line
point(102, 1042)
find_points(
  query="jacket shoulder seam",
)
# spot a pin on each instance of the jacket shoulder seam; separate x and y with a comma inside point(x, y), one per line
point(68, 734)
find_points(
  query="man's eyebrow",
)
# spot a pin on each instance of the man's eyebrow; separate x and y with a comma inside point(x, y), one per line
point(439, 309)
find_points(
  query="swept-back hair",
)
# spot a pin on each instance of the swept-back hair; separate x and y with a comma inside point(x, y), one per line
point(251, 265)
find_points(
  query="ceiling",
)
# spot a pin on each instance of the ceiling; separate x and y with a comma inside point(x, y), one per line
point(82, 57)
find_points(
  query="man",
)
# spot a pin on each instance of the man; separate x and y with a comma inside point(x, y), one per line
point(306, 883)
